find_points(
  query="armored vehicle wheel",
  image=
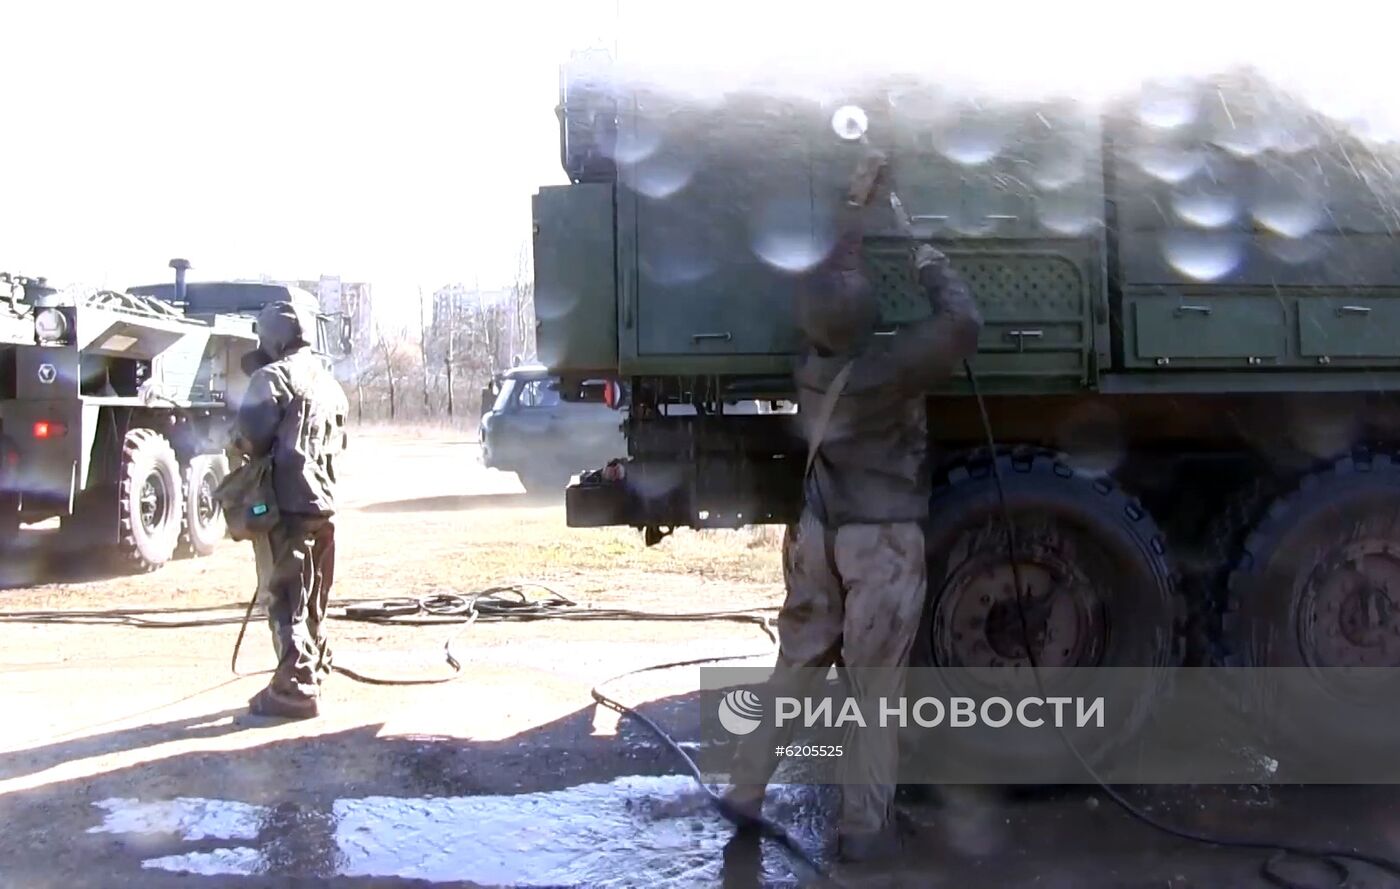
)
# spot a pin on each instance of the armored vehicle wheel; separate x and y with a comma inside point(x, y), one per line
point(204, 520)
point(150, 501)
point(1097, 591)
point(1318, 587)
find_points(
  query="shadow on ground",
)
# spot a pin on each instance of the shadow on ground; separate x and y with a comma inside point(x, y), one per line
point(1067, 839)
point(38, 557)
point(463, 502)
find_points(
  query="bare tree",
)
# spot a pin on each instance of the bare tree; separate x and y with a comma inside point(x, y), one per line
point(423, 344)
point(448, 359)
point(522, 307)
point(392, 359)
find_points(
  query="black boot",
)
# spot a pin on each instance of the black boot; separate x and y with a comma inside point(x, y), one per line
point(270, 702)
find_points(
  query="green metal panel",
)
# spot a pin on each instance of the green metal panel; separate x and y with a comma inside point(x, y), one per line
point(1213, 202)
point(1221, 382)
point(1349, 326)
point(722, 209)
point(1037, 301)
point(575, 277)
point(1184, 330)
point(728, 207)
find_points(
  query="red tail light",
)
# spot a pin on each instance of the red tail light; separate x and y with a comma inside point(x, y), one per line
point(48, 429)
point(612, 394)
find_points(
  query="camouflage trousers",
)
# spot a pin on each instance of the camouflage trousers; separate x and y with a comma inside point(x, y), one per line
point(296, 568)
point(854, 595)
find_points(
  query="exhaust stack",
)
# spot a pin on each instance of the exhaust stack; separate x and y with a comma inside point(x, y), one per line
point(180, 266)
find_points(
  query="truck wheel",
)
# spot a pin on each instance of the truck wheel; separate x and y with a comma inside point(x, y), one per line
point(150, 500)
point(1218, 555)
point(1098, 591)
point(204, 519)
point(1318, 588)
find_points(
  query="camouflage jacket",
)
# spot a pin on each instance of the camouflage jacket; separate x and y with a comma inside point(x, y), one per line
point(296, 412)
point(872, 463)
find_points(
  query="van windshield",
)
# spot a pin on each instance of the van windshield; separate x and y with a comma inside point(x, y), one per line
point(503, 398)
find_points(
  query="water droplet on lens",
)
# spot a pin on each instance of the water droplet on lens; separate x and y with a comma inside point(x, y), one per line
point(788, 235)
point(1286, 199)
point(637, 139)
point(1247, 142)
point(1204, 256)
point(1290, 218)
point(1168, 107)
point(1170, 164)
point(659, 176)
point(675, 262)
point(1069, 214)
point(1059, 167)
point(972, 138)
point(1206, 208)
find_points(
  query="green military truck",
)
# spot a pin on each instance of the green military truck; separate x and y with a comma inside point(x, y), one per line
point(115, 408)
point(1190, 355)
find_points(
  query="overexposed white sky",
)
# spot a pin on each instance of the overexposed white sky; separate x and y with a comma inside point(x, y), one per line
point(399, 142)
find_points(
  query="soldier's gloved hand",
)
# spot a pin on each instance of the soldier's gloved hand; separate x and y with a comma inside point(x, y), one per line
point(927, 254)
point(868, 174)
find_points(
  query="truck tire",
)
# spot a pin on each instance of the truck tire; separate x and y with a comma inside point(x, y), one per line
point(1317, 589)
point(150, 501)
point(204, 524)
point(1102, 594)
point(1219, 554)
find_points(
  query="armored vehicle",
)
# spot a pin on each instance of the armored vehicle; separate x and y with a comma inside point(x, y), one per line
point(1189, 358)
point(115, 408)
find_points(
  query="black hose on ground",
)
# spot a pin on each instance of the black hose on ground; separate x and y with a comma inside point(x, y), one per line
point(805, 867)
point(1331, 858)
point(507, 602)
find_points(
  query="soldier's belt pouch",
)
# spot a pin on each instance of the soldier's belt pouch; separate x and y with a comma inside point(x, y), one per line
point(248, 499)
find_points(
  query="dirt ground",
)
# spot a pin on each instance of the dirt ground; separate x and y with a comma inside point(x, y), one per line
point(127, 758)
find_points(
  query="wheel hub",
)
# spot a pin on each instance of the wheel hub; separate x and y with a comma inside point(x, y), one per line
point(985, 626)
point(154, 503)
point(205, 507)
point(1351, 610)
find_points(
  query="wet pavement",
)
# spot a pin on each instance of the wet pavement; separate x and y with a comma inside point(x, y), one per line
point(560, 805)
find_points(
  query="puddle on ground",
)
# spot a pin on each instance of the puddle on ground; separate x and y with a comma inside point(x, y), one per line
point(190, 819)
point(632, 831)
point(239, 860)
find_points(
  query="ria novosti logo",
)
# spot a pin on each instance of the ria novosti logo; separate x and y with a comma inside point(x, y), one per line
point(740, 711)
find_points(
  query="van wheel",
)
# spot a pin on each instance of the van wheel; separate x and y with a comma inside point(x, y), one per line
point(150, 500)
point(204, 523)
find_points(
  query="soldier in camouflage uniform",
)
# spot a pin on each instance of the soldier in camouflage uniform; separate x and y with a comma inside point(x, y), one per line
point(295, 411)
point(854, 565)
